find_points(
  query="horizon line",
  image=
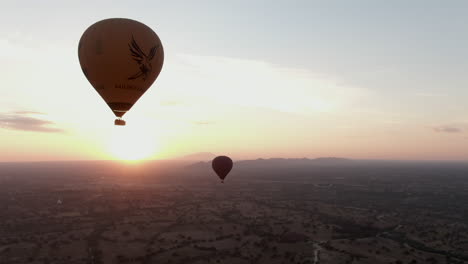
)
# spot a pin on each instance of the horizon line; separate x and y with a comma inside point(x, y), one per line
point(260, 158)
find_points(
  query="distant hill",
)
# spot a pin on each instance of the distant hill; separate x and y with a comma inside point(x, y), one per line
point(332, 160)
point(200, 156)
point(287, 163)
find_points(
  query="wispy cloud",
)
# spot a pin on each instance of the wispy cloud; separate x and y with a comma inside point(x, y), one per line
point(21, 121)
point(255, 83)
point(28, 113)
point(447, 129)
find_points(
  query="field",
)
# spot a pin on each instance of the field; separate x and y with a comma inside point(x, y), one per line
point(296, 212)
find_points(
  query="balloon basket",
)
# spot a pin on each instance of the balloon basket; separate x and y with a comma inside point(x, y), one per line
point(119, 122)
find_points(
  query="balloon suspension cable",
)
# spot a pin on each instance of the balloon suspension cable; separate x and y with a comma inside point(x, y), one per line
point(222, 181)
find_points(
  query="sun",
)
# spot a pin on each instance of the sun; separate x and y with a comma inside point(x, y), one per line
point(132, 143)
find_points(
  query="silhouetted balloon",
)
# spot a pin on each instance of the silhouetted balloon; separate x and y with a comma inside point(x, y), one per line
point(222, 165)
point(121, 58)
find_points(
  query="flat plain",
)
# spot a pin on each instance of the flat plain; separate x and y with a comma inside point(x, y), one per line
point(267, 211)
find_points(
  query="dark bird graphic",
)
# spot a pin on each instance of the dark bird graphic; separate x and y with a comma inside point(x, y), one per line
point(143, 60)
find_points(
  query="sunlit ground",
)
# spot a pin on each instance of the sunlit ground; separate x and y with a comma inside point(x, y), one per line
point(132, 143)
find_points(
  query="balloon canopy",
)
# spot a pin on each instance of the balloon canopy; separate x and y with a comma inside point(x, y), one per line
point(121, 58)
point(222, 165)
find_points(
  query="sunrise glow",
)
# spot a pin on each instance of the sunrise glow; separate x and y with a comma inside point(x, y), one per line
point(308, 86)
point(131, 143)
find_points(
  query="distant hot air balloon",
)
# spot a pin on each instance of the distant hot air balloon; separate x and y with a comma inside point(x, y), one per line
point(121, 58)
point(222, 165)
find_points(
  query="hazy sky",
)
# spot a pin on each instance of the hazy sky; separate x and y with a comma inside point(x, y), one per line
point(358, 79)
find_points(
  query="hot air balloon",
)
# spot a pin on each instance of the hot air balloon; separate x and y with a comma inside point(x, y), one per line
point(121, 58)
point(222, 165)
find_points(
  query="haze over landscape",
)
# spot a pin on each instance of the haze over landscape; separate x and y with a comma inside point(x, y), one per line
point(326, 210)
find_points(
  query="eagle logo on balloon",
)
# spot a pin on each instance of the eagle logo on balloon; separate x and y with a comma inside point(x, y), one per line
point(143, 60)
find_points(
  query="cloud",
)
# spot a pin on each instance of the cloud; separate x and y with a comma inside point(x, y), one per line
point(447, 129)
point(20, 121)
point(28, 113)
point(254, 83)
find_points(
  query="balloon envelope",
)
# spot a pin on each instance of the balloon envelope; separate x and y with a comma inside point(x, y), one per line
point(121, 58)
point(222, 165)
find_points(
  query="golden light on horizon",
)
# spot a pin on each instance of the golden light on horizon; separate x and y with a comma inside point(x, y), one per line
point(132, 143)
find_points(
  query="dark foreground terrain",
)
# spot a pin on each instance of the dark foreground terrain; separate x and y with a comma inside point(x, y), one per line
point(267, 211)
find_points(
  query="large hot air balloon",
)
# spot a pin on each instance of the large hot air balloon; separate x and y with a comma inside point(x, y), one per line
point(222, 165)
point(121, 58)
